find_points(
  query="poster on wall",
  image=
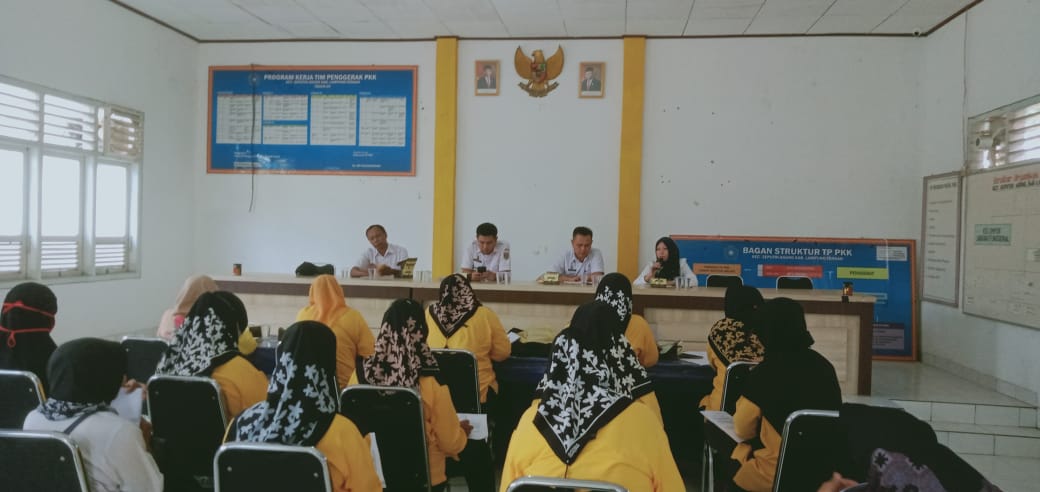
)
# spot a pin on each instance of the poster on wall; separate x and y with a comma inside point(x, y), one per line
point(884, 269)
point(941, 236)
point(312, 120)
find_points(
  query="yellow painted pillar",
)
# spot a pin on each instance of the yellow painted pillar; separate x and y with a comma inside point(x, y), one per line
point(631, 165)
point(445, 135)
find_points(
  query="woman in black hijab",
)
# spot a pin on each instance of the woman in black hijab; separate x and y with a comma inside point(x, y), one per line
point(667, 264)
point(791, 377)
point(731, 340)
point(302, 409)
point(26, 321)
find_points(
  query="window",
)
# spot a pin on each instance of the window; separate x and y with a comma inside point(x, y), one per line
point(70, 169)
point(1008, 135)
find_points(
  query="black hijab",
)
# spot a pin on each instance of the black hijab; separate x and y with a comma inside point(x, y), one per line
point(615, 289)
point(670, 267)
point(85, 375)
point(302, 399)
point(207, 339)
point(239, 318)
point(26, 321)
point(741, 302)
point(791, 375)
point(593, 376)
point(457, 305)
point(402, 355)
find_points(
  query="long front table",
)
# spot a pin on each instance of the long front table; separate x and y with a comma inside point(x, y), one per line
point(842, 329)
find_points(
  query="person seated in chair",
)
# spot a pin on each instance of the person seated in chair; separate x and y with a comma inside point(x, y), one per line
point(207, 345)
point(403, 359)
point(302, 409)
point(26, 321)
point(85, 375)
point(791, 377)
point(328, 306)
point(586, 422)
point(616, 290)
point(730, 340)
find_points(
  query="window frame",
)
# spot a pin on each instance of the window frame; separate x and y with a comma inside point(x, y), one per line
point(1001, 116)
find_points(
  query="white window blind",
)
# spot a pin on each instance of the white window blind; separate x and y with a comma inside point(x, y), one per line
point(122, 133)
point(1009, 135)
point(12, 257)
point(69, 123)
point(19, 113)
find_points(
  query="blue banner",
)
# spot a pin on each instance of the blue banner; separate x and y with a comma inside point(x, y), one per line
point(315, 120)
point(879, 268)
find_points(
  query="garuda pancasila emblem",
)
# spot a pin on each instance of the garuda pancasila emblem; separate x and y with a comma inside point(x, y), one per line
point(538, 71)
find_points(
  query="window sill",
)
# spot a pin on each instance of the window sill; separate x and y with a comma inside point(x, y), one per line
point(77, 279)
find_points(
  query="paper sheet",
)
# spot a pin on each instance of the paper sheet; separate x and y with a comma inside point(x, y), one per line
point(128, 405)
point(479, 423)
point(698, 357)
point(374, 449)
point(723, 421)
point(513, 336)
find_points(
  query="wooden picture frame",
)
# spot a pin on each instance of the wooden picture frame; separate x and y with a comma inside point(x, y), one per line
point(591, 81)
point(484, 83)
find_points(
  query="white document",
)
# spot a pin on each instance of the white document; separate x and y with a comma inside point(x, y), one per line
point(374, 449)
point(723, 421)
point(513, 336)
point(128, 405)
point(479, 423)
point(695, 357)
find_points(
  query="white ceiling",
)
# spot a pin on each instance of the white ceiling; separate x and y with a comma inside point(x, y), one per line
point(213, 20)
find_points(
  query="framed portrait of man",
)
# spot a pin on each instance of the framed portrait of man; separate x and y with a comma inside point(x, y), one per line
point(591, 79)
point(485, 77)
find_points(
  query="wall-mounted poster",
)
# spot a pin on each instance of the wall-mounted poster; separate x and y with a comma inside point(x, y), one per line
point(941, 237)
point(312, 119)
point(486, 77)
point(591, 84)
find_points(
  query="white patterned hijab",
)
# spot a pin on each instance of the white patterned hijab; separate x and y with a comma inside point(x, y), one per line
point(457, 305)
point(615, 289)
point(402, 355)
point(593, 376)
point(301, 397)
point(207, 339)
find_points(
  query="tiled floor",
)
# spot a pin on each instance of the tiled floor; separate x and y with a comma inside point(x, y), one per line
point(916, 381)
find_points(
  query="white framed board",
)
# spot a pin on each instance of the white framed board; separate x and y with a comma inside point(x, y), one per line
point(1002, 245)
point(941, 238)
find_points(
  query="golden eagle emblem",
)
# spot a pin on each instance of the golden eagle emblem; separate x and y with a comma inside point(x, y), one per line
point(538, 71)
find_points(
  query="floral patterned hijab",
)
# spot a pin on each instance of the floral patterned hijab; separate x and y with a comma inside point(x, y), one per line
point(730, 339)
point(593, 376)
point(208, 339)
point(457, 305)
point(402, 356)
point(301, 398)
point(616, 290)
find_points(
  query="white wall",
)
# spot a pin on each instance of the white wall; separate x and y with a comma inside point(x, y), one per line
point(102, 51)
point(538, 167)
point(311, 218)
point(781, 136)
point(1001, 67)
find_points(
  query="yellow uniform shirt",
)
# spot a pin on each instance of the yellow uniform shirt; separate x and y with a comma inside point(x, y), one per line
point(713, 400)
point(444, 435)
point(484, 336)
point(758, 468)
point(241, 384)
point(641, 338)
point(631, 451)
point(349, 457)
point(353, 340)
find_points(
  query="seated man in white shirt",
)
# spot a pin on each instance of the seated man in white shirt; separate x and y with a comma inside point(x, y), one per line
point(486, 255)
point(382, 256)
point(581, 259)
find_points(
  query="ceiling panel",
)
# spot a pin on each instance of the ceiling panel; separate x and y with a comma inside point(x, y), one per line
point(586, 28)
point(613, 10)
point(656, 27)
point(673, 10)
point(477, 29)
point(788, 16)
point(464, 10)
point(855, 16)
point(716, 27)
point(906, 24)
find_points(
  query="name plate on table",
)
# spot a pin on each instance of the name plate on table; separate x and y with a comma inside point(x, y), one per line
point(659, 283)
point(407, 267)
point(551, 278)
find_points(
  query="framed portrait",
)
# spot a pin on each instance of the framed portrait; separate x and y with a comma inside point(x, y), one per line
point(485, 77)
point(591, 79)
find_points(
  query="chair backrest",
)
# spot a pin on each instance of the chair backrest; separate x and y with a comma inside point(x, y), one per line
point(794, 283)
point(807, 451)
point(37, 460)
point(724, 281)
point(395, 416)
point(142, 355)
point(188, 423)
point(733, 387)
point(552, 484)
point(249, 467)
point(459, 371)
point(20, 393)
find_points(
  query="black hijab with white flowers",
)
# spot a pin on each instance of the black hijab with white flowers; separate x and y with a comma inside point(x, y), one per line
point(402, 355)
point(616, 290)
point(593, 376)
point(457, 305)
point(85, 375)
point(207, 339)
point(301, 398)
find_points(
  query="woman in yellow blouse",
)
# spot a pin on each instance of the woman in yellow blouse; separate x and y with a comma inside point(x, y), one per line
point(730, 340)
point(353, 338)
point(207, 345)
point(790, 377)
point(302, 409)
point(616, 290)
point(586, 423)
point(458, 321)
point(402, 358)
